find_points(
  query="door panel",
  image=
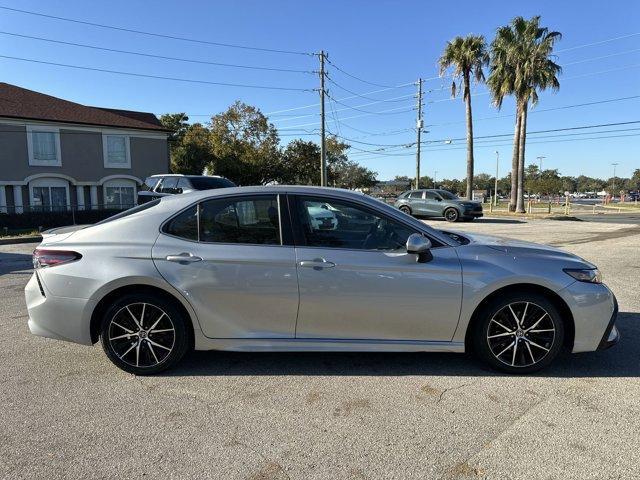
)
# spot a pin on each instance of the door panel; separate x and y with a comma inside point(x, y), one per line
point(433, 206)
point(357, 281)
point(225, 255)
point(237, 291)
point(378, 295)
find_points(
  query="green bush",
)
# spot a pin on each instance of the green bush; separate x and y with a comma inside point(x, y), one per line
point(45, 220)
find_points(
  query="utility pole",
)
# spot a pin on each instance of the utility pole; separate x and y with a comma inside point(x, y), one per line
point(540, 158)
point(435, 176)
point(495, 189)
point(613, 187)
point(419, 125)
point(323, 146)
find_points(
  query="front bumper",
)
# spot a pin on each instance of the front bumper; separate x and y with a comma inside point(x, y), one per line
point(611, 334)
point(61, 318)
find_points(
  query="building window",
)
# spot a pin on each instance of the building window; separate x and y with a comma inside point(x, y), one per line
point(49, 194)
point(116, 151)
point(119, 194)
point(44, 146)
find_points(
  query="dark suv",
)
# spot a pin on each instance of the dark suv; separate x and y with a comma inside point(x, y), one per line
point(157, 186)
point(438, 203)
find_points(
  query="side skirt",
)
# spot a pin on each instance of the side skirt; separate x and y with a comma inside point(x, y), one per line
point(325, 345)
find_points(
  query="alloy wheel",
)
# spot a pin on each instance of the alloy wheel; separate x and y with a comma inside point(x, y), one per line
point(521, 334)
point(451, 215)
point(141, 335)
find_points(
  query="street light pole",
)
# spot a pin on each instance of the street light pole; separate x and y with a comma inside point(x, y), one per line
point(435, 175)
point(495, 188)
point(613, 186)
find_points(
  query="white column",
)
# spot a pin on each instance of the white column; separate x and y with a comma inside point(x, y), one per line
point(17, 198)
point(3, 199)
point(93, 190)
point(80, 196)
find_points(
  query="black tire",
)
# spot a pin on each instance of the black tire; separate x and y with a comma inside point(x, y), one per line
point(406, 209)
point(161, 342)
point(536, 346)
point(451, 214)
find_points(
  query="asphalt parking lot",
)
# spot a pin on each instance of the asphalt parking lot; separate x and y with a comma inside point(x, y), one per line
point(68, 413)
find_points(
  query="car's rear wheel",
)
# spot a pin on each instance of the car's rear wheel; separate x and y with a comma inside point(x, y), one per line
point(144, 334)
point(519, 333)
point(451, 215)
point(405, 209)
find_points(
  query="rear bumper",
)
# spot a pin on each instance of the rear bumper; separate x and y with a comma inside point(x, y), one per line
point(61, 318)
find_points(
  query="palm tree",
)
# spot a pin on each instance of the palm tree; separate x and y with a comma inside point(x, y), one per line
point(467, 56)
point(521, 65)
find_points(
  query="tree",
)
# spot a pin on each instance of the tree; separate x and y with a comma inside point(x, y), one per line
point(193, 152)
point(634, 181)
point(300, 163)
point(483, 181)
point(177, 123)
point(467, 56)
point(521, 65)
point(244, 146)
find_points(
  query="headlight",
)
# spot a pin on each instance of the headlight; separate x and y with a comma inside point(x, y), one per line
point(591, 275)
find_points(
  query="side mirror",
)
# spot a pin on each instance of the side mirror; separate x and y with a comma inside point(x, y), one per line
point(420, 246)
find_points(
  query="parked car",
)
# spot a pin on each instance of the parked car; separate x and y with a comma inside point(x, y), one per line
point(247, 269)
point(438, 203)
point(321, 216)
point(157, 186)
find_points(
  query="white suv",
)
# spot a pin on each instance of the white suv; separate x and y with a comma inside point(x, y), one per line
point(157, 186)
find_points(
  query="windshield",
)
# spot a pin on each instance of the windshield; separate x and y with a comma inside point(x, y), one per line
point(447, 195)
point(210, 183)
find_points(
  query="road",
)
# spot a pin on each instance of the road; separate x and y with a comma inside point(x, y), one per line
point(68, 413)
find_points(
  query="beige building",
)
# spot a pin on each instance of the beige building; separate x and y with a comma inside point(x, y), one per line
point(56, 155)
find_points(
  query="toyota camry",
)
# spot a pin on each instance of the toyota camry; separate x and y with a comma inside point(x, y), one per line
point(251, 269)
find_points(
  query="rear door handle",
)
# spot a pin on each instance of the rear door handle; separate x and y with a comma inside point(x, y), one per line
point(317, 264)
point(184, 257)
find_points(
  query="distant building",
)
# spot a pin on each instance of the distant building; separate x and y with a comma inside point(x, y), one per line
point(56, 154)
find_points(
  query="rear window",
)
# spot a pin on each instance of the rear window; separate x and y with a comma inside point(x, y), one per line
point(131, 211)
point(210, 183)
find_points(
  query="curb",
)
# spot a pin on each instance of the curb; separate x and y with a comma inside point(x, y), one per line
point(16, 240)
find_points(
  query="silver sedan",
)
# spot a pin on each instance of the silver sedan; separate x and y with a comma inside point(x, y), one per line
point(251, 269)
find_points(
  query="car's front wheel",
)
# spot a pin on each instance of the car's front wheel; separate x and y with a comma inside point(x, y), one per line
point(451, 215)
point(405, 209)
point(144, 334)
point(519, 333)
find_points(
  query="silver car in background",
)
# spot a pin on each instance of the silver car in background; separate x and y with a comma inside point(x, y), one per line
point(251, 269)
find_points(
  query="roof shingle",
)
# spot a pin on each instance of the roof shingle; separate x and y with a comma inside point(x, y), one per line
point(18, 102)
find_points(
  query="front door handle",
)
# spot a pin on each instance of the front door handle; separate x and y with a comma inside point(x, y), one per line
point(184, 257)
point(317, 264)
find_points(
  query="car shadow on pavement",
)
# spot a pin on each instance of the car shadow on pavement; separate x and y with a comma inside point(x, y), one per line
point(15, 262)
point(622, 360)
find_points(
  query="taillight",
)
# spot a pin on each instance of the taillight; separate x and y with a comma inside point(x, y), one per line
point(50, 258)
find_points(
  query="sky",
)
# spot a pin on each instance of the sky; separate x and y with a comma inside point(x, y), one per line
point(384, 44)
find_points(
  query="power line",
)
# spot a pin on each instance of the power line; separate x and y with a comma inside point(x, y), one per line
point(162, 57)
point(349, 107)
point(157, 77)
point(564, 107)
point(601, 57)
point(583, 127)
point(358, 78)
point(597, 43)
point(155, 34)
point(355, 94)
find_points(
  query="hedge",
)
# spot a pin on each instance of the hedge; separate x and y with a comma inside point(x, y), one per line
point(47, 220)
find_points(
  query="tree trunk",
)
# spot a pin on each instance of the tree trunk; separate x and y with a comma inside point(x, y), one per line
point(467, 96)
point(523, 138)
point(514, 162)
